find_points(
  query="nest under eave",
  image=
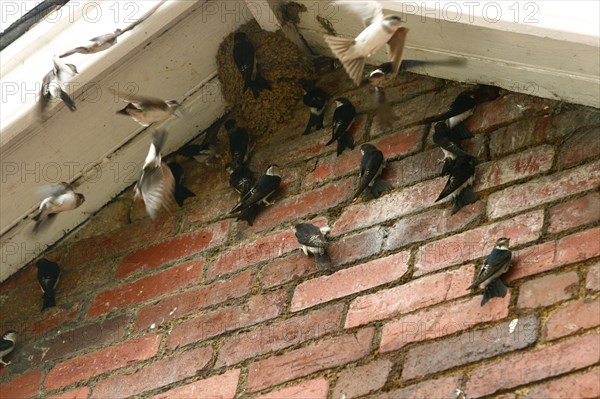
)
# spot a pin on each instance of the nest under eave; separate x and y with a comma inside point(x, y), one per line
point(281, 62)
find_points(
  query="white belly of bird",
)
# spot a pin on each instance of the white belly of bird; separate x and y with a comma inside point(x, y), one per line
point(455, 120)
point(469, 182)
point(370, 40)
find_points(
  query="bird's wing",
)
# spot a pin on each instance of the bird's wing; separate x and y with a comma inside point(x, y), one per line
point(495, 261)
point(265, 185)
point(369, 168)
point(53, 190)
point(137, 100)
point(368, 11)
point(5, 344)
point(461, 172)
point(142, 18)
point(157, 187)
point(396, 49)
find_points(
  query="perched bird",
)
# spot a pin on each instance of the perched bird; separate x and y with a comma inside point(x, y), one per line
point(55, 84)
point(316, 100)
point(148, 110)
point(204, 152)
point(7, 344)
point(371, 166)
point(156, 185)
point(496, 264)
point(343, 118)
point(449, 141)
point(313, 240)
point(266, 185)
point(378, 78)
point(48, 275)
point(245, 60)
point(181, 193)
point(57, 198)
point(108, 40)
point(459, 184)
point(242, 180)
point(379, 30)
point(239, 143)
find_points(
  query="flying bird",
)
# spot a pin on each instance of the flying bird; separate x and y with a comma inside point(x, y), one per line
point(242, 180)
point(343, 118)
point(7, 344)
point(245, 60)
point(266, 185)
point(313, 241)
point(55, 84)
point(459, 184)
point(181, 193)
point(108, 40)
point(148, 110)
point(48, 275)
point(378, 78)
point(316, 100)
point(496, 264)
point(239, 143)
point(379, 30)
point(57, 198)
point(449, 141)
point(371, 166)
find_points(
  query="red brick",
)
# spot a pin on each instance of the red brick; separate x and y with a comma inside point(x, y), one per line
point(441, 321)
point(523, 368)
point(573, 317)
point(354, 247)
point(359, 381)
point(92, 277)
point(79, 393)
point(349, 281)
point(52, 318)
point(193, 300)
point(473, 346)
point(211, 208)
point(575, 213)
point(257, 309)
point(547, 290)
point(23, 386)
point(326, 354)
point(163, 372)
point(283, 270)
point(279, 335)
point(412, 169)
point(311, 389)
point(515, 167)
point(104, 360)
point(222, 386)
point(443, 387)
point(547, 256)
point(175, 248)
point(431, 224)
point(582, 385)
point(147, 288)
point(252, 252)
point(415, 294)
point(389, 206)
point(477, 243)
point(580, 146)
point(543, 190)
point(592, 280)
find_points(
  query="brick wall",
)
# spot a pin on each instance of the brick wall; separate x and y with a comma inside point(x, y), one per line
point(198, 305)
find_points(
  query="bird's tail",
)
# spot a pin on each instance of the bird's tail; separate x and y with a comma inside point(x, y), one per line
point(123, 111)
point(249, 214)
point(315, 121)
point(379, 187)
point(68, 101)
point(495, 289)
point(344, 141)
point(323, 260)
point(460, 132)
point(341, 48)
point(181, 194)
point(448, 165)
point(385, 115)
point(464, 198)
point(49, 298)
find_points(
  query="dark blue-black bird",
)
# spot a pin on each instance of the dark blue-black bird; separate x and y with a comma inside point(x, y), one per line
point(316, 100)
point(449, 141)
point(181, 193)
point(371, 166)
point(343, 118)
point(266, 185)
point(48, 276)
point(239, 143)
point(313, 241)
point(242, 180)
point(245, 60)
point(204, 152)
point(496, 264)
point(459, 184)
point(7, 344)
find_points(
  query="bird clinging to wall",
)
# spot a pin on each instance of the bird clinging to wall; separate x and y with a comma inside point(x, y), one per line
point(316, 100)
point(496, 264)
point(314, 241)
point(239, 143)
point(7, 344)
point(245, 59)
point(48, 276)
point(242, 180)
point(371, 166)
point(459, 184)
point(343, 118)
point(449, 141)
point(264, 187)
point(180, 192)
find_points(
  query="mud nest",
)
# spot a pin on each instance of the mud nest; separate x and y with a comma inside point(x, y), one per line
point(281, 62)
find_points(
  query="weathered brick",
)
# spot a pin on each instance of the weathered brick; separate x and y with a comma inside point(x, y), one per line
point(283, 270)
point(575, 213)
point(430, 358)
point(222, 386)
point(331, 167)
point(592, 280)
point(477, 242)
point(24, 386)
point(279, 335)
point(79, 393)
point(182, 304)
point(304, 361)
point(431, 224)
point(441, 321)
point(104, 360)
point(443, 387)
point(359, 381)
point(416, 294)
point(580, 146)
point(214, 323)
point(573, 317)
point(543, 190)
point(147, 288)
point(523, 368)
point(412, 169)
point(252, 252)
point(93, 276)
point(547, 290)
point(211, 208)
point(349, 281)
point(311, 389)
point(175, 248)
point(163, 372)
point(357, 246)
point(41, 323)
point(581, 385)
